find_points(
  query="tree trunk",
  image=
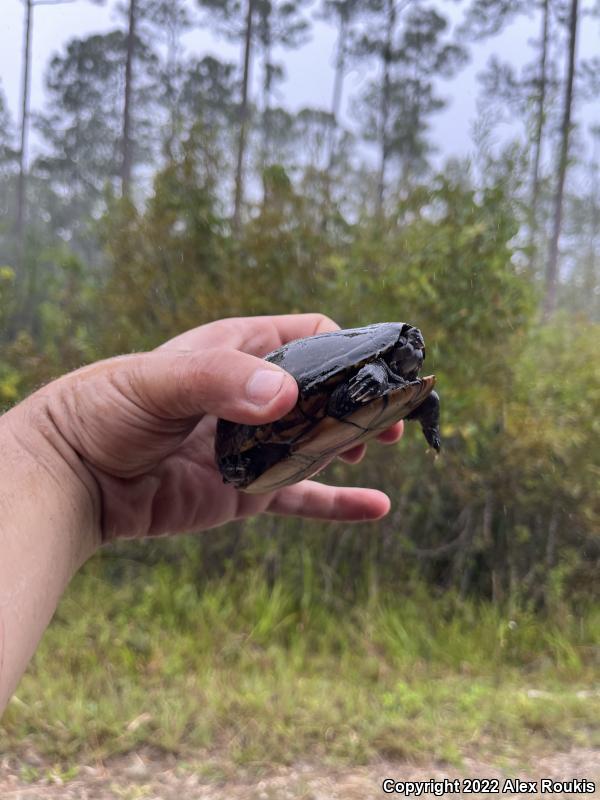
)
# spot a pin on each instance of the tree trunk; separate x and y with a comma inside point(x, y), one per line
point(385, 103)
point(127, 144)
point(25, 90)
point(539, 132)
point(552, 268)
point(267, 122)
point(338, 87)
point(173, 48)
point(590, 270)
point(239, 173)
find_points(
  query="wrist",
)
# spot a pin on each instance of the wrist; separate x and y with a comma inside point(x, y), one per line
point(49, 526)
point(42, 469)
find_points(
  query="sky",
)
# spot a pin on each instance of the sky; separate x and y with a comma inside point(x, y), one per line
point(309, 69)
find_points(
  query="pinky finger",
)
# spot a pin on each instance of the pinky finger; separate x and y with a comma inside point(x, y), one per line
point(393, 434)
point(317, 501)
point(354, 455)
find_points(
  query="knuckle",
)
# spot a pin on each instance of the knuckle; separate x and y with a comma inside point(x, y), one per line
point(206, 370)
point(323, 324)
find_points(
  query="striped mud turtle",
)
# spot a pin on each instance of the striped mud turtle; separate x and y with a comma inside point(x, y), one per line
point(353, 384)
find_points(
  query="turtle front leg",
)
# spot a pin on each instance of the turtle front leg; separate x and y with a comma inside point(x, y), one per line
point(428, 414)
point(370, 382)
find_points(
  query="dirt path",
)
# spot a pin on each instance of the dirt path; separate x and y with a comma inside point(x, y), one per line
point(142, 776)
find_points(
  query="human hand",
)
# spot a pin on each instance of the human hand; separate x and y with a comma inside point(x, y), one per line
point(138, 430)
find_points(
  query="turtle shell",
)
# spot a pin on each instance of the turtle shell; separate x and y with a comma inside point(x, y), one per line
point(318, 361)
point(263, 458)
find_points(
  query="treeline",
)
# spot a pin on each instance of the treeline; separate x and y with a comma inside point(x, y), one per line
point(167, 191)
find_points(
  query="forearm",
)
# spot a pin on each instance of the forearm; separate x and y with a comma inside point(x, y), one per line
point(48, 528)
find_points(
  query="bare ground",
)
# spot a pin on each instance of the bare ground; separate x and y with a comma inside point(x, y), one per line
point(153, 776)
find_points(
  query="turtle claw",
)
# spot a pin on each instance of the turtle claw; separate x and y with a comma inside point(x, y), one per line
point(433, 438)
point(360, 394)
point(235, 470)
point(428, 414)
point(363, 388)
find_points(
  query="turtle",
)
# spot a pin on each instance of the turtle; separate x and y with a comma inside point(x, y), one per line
point(352, 385)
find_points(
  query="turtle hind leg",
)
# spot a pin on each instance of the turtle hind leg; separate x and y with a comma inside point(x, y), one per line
point(236, 469)
point(432, 434)
point(243, 469)
point(428, 414)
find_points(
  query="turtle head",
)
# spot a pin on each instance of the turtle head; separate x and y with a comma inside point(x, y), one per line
point(407, 356)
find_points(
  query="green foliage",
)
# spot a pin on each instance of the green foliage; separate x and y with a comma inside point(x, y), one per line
point(246, 673)
point(46, 318)
point(7, 281)
point(507, 511)
point(165, 262)
point(448, 260)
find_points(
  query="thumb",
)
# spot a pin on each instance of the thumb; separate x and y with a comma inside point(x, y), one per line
point(220, 381)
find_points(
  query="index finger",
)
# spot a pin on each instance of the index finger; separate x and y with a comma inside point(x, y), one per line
point(254, 335)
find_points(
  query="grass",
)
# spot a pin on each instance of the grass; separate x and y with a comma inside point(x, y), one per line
point(243, 674)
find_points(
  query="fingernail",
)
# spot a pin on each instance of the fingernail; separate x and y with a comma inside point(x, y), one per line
point(264, 385)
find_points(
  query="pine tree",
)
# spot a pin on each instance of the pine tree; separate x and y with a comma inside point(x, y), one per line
point(208, 114)
point(279, 24)
point(343, 13)
point(83, 125)
point(396, 107)
point(551, 278)
point(235, 19)
point(531, 96)
point(165, 22)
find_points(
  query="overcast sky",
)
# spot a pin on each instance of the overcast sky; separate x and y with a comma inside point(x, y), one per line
point(309, 71)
